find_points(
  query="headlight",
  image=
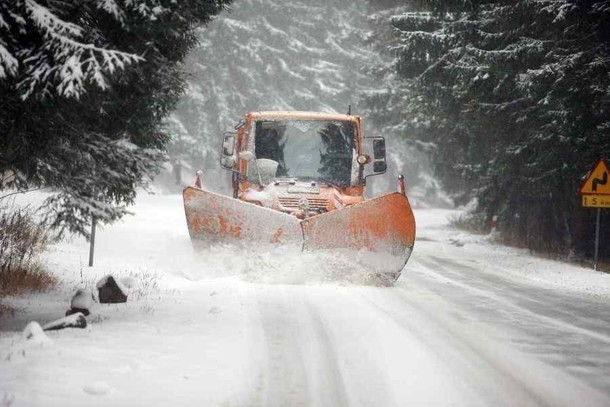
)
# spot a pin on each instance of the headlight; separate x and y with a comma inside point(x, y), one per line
point(362, 159)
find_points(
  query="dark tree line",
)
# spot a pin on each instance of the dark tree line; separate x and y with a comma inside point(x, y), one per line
point(512, 100)
point(84, 88)
point(268, 55)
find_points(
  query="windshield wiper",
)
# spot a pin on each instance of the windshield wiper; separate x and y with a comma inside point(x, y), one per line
point(290, 181)
point(320, 180)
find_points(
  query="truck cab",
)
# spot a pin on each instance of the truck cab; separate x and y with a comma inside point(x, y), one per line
point(300, 163)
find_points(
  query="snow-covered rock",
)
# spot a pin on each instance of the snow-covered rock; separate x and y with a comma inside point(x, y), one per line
point(98, 388)
point(81, 302)
point(129, 282)
point(71, 321)
point(33, 332)
point(111, 291)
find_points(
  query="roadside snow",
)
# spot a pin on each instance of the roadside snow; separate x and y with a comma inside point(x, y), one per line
point(207, 328)
point(82, 299)
point(485, 256)
point(33, 332)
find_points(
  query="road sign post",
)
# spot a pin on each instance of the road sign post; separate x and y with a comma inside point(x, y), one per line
point(92, 242)
point(596, 239)
point(595, 193)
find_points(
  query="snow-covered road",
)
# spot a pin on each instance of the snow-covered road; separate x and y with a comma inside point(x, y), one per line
point(468, 323)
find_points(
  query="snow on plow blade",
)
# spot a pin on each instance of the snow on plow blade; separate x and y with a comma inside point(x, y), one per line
point(379, 232)
point(384, 227)
point(212, 217)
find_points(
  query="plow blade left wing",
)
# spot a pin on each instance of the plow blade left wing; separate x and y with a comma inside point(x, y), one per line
point(212, 217)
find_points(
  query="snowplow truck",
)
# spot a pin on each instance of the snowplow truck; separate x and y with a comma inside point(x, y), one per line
point(299, 178)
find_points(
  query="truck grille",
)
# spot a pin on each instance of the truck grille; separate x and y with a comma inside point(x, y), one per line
point(315, 204)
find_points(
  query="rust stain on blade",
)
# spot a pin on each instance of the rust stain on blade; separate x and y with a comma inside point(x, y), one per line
point(383, 224)
point(214, 217)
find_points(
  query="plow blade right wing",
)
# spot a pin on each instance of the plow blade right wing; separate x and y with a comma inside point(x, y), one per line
point(383, 226)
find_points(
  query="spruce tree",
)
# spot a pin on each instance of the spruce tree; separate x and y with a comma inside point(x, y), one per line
point(269, 55)
point(85, 87)
point(514, 95)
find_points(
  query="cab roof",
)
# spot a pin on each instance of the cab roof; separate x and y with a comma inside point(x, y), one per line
point(297, 115)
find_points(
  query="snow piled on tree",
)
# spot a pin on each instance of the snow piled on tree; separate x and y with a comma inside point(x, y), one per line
point(272, 55)
point(63, 62)
point(303, 55)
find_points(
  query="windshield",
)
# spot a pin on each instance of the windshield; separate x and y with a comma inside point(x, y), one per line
point(316, 149)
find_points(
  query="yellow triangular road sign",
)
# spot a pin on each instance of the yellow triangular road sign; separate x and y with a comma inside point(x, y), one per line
point(598, 181)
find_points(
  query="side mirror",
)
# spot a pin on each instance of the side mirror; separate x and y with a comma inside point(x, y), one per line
point(379, 166)
point(228, 158)
point(228, 144)
point(378, 158)
point(379, 148)
point(227, 162)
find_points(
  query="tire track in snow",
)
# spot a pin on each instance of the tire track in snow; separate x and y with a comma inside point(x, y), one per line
point(330, 389)
point(511, 296)
point(381, 362)
point(295, 356)
point(499, 374)
point(568, 312)
point(285, 381)
point(536, 321)
point(457, 354)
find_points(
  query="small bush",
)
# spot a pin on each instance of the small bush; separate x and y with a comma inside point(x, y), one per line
point(474, 223)
point(604, 266)
point(6, 310)
point(25, 279)
point(21, 242)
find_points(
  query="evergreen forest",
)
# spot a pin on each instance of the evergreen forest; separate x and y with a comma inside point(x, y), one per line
point(499, 106)
point(511, 101)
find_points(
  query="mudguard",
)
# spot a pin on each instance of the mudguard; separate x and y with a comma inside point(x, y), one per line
point(212, 217)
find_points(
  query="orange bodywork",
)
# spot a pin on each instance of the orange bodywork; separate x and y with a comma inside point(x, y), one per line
point(336, 217)
point(385, 223)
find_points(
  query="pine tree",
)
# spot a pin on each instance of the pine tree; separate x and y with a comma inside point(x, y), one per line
point(386, 111)
point(270, 55)
point(515, 97)
point(85, 87)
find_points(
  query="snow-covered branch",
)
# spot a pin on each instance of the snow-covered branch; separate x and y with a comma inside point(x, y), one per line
point(51, 56)
point(64, 61)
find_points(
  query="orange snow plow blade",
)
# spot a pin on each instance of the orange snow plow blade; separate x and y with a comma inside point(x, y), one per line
point(384, 227)
point(380, 231)
point(213, 218)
